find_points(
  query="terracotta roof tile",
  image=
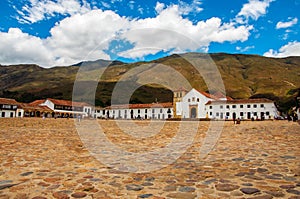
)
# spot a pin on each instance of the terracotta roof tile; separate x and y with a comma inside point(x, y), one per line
point(68, 102)
point(37, 102)
point(30, 107)
point(8, 101)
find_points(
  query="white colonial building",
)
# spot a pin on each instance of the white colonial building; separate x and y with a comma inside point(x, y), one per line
point(242, 109)
point(200, 105)
point(136, 111)
point(66, 108)
point(191, 104)
point(8, 107)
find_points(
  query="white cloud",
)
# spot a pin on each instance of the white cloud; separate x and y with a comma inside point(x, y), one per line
point(244, 49)
point(286, 24)
point(253, 9)
point(18, 47)
point(159, 7)
point(87, 36)
point(186, 8)
point(37, 10)
point(84, 37)
point(131, 4)
point(170, 31)
point(106, 5)
point(290, 49)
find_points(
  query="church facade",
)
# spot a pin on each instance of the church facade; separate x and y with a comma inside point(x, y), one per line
point(200, 105)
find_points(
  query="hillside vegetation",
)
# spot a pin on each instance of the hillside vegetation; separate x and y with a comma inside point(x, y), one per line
point(244, 76)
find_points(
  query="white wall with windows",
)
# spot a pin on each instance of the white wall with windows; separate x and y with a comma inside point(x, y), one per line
point(247, 110)
point(135, 113)
point(7, 113)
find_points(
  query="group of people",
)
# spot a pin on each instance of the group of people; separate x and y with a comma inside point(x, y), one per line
point(292, 117)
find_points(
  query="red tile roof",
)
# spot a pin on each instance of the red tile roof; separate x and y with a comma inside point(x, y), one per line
point(137, 106)
point(240, 101)
point(8, 101)
point(30, 107)
point(208, 95)
point(37, 102)
point(67, 102)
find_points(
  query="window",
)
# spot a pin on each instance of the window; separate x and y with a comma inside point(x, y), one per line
point(255, 113)
point(262, 106)
point(198, 100)
point(139, 111)
point(189, 100)
point(153, 110)
point(221, 106)
point(233, 106)
point(227, 106)
point(241, 106)
point(267, 113)
point(161, 110)
point(3, 114)
point(217, 114)
point(193, 99)
point(146, 110)
point(210, 113)
point(227, 114)
point(210, 107)
point(255, 106)
point(241, 114)
point(248, 106)
point(6, 106)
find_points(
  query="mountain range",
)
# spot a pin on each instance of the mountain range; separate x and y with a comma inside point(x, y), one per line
point(244, 76)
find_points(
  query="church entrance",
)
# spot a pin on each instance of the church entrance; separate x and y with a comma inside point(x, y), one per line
point(193, 112)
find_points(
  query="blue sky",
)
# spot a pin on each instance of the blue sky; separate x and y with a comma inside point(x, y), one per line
point(64, 32)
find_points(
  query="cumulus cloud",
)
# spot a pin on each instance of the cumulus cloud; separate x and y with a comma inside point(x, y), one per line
point(18, 47)
point(287, 24)
point(187, 8)
point(253, 9)
point(159, 7)
point(170, 31)
point(90, 35)
point(244, 49)
point(290, 49)
point(84, 37)
point(37, 10)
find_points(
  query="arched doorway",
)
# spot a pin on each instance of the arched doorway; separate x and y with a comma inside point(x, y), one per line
point(38, 114)
point(193, 112)
point(234, 116)
point(131, 114)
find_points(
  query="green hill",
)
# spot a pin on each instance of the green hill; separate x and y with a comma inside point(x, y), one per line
point(244, 76)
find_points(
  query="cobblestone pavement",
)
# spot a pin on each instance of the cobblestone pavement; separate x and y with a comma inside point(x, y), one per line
point(46, 159)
